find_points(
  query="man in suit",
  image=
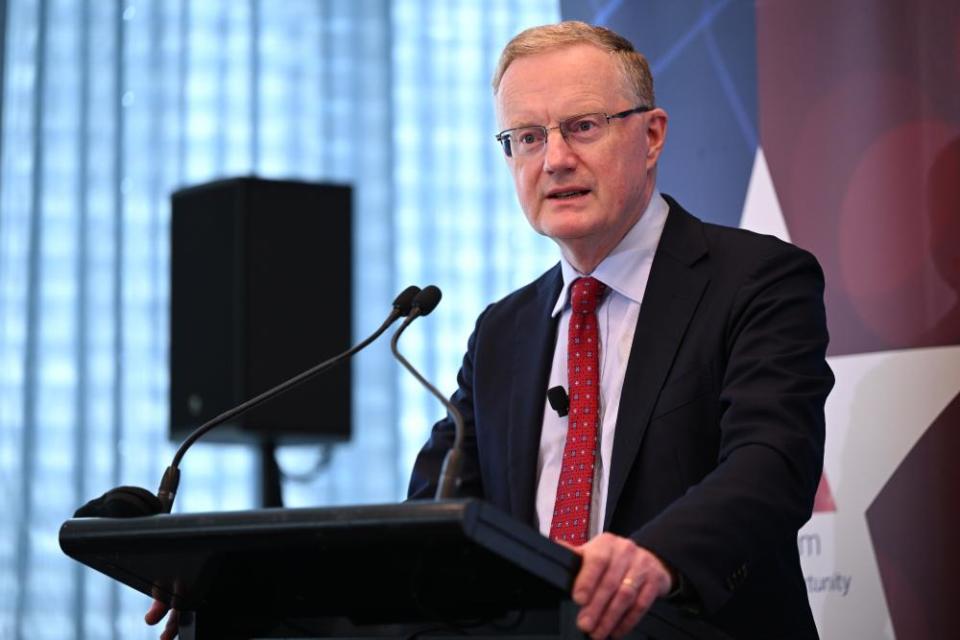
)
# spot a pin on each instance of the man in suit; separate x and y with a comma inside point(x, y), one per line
point(689, 470)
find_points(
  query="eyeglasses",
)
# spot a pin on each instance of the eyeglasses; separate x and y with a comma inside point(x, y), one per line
point(582, 129)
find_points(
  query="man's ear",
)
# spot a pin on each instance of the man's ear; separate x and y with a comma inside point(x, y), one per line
point(656, 134)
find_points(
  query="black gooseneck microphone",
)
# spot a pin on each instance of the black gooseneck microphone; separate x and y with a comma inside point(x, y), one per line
point(449, 481)
point(131, 502)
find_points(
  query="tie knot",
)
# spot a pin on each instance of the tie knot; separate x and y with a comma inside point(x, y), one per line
point(585, 294)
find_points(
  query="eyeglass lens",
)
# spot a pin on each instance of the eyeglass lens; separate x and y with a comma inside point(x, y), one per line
point(580, 129)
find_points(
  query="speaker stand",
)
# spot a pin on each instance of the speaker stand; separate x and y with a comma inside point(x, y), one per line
point(271, 489)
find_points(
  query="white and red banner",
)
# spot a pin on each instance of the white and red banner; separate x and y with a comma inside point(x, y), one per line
point(836, 125)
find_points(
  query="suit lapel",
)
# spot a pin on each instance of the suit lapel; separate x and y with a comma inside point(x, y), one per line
point(534, 334)
point(669, 302)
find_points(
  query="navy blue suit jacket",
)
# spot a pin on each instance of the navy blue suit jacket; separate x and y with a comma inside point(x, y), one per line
point(719, 441)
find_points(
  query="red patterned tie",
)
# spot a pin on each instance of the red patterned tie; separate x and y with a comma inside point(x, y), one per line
point(571, 513)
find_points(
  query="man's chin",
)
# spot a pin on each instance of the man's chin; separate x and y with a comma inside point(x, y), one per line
point(568, 231)
point(567, 222)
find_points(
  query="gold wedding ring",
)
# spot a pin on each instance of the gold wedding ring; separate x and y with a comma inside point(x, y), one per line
point(631, 583)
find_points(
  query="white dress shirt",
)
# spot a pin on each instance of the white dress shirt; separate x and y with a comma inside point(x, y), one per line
point(625, 272)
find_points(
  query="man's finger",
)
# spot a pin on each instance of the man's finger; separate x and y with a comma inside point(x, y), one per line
point(621, 602)
point(172, 628)
point(641, 604)
point(156, 612)
point(606, 605)
point(596, 558)
point(563, 543)
point(616, 555)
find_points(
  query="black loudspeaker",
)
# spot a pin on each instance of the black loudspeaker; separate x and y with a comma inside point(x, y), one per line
point(260, 291)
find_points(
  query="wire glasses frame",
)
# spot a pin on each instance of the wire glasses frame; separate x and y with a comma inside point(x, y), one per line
point(584, 128)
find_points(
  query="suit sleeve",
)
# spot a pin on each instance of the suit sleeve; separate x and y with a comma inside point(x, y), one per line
point(774, 383)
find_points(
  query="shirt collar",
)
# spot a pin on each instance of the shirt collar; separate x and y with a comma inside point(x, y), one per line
point(620, 268)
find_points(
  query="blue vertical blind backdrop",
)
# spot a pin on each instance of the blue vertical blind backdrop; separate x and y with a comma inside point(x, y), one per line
point(107, 107)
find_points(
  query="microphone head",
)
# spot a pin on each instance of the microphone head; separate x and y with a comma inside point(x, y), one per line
point(427, 300)
point(402, 302)
point(122, 502)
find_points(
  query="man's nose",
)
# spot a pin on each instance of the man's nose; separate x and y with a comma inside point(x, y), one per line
point(558, 155)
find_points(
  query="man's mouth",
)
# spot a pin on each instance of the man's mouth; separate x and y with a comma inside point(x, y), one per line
point(564, 195)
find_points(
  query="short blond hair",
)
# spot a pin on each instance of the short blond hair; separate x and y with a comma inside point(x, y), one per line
point(633, 64)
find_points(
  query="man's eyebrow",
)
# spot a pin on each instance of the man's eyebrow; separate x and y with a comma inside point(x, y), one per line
point(532, 123)
point(519, 124)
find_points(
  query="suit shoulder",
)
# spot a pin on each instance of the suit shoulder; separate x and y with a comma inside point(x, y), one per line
point(545, 288)
point(745, 243)
point(751, 251)
point(730, 254)
point(688, 239)
point(748, 261)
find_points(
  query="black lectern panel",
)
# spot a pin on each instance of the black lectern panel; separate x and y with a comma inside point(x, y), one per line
point(459, 562)
point(463, 558)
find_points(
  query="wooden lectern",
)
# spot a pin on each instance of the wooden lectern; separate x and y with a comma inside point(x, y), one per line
point(438, 569)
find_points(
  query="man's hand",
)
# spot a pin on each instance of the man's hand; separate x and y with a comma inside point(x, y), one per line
point(617, 584)
point(155, 615)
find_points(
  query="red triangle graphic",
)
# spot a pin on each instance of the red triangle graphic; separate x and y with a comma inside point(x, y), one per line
point(823, 501)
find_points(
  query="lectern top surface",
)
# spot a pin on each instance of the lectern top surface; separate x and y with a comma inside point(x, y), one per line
point(457, 555)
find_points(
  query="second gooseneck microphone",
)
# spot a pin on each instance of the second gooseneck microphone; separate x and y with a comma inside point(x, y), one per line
point(423, 303)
